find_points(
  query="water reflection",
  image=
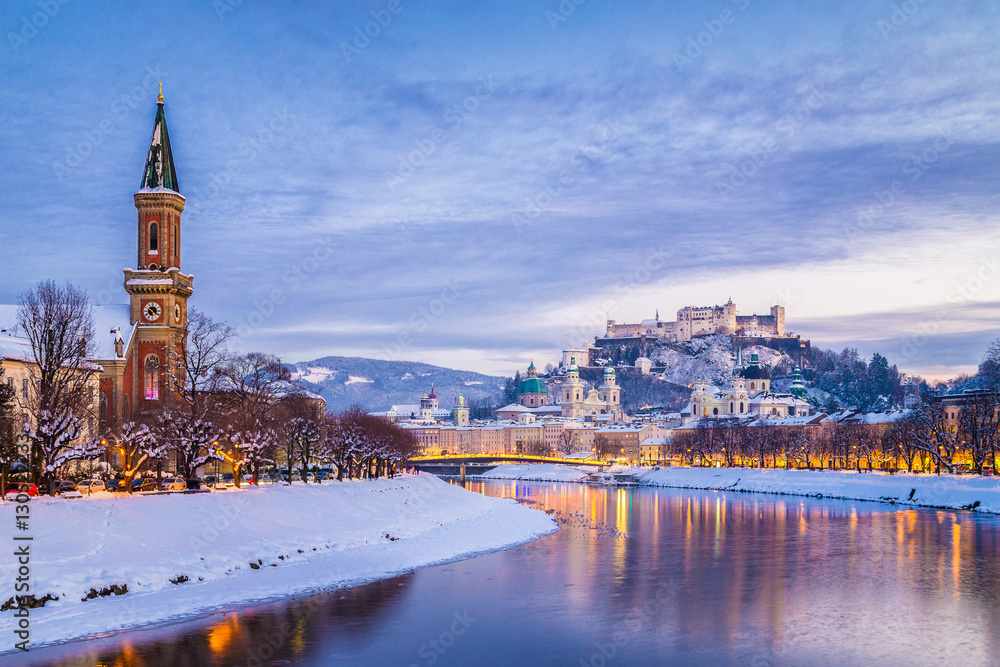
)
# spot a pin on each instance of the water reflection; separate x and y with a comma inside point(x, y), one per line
point(643, 576)
point(264, 635)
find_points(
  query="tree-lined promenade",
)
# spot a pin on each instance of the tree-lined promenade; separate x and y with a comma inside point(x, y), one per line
point(214, 405)
point(935, 436)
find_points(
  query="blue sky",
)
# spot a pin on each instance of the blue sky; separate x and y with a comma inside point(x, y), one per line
point(478, 183)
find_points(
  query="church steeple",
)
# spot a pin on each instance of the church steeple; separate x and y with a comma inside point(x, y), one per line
point(159, 172)
point(158, 291)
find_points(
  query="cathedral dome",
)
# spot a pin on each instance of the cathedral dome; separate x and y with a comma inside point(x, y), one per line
point(532, 386)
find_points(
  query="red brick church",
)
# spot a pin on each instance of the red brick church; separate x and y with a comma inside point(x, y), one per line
point(133, 340)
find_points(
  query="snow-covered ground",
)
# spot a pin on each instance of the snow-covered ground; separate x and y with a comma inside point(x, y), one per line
point(947, 491)
point(538, 472)
point(314, 375)
point(235, 547)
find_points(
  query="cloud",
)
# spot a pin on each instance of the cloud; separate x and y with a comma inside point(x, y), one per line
point(537, 168)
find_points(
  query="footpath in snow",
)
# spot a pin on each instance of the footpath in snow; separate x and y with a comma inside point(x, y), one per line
point(981, 494)
point(116, 563)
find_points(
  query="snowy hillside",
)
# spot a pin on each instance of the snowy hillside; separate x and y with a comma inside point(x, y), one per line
point(709, 358)
point(377, 384)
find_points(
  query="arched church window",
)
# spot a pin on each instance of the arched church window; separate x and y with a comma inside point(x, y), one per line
point(154, 238)
point(752, 386)
point(174, 236)
point(715, 411)
point(741, 408)
point(152, 372)
point(103, 406)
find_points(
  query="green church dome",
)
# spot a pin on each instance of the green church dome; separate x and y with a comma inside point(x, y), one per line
point(532, 386)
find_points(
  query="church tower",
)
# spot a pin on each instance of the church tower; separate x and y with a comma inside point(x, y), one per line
point(158, 291)
point(461, 411)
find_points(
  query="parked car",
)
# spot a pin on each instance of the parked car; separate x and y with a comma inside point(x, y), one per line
point(63, 487)
point(143, 484)
point(91, 486)
point(117, 486)
point(173, 484)
point(209, 480)
point(227, 478)
point(14, 488)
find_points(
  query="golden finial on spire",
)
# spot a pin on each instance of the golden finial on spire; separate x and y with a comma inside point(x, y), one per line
point(159, 98)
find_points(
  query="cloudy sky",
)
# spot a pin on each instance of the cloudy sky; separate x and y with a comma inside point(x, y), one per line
point(471, 184)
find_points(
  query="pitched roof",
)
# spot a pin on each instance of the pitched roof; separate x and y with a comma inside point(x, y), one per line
point(110, 323)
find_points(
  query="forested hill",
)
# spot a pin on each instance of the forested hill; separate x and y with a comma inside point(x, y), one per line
point(376, 384)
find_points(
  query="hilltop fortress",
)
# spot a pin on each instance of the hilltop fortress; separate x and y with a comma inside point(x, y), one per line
point(638, 344)
point(704, 320)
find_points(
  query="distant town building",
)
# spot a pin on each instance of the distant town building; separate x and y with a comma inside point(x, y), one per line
point(460, 415)
point(532, 392)
point(749, 393)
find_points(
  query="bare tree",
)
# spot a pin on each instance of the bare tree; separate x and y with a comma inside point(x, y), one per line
point(193, 373)
point(193, 442)
point(899, 440)
point(799, 445)
point(989, 367)
point(59, 325)
point(762, 436)
point(978, 423)
point(253, 448)
point(606, 448)
point(135, 444)
point(932, 436)
point(250, 389)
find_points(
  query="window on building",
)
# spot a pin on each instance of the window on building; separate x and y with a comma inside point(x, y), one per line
point(10, 385)
point(24, 389)
point(154, 238)
point(715, 411)
point(152, 370)
point(103, 408)
point(174, 236)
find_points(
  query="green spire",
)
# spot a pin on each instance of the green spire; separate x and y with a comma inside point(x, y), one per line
point(159, 171)
point(798, 386)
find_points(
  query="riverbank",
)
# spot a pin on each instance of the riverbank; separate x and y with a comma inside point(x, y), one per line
point(965, 492)
point(957, 492)
point(116, 563)
point(538, 472)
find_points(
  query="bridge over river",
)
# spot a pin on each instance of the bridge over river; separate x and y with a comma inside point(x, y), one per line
point(476, 464)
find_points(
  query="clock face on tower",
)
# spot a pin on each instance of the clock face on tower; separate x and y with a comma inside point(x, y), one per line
point(151, 311)
point(177, 313)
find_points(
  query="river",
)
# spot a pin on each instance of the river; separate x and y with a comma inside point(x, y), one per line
point(637, 576)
